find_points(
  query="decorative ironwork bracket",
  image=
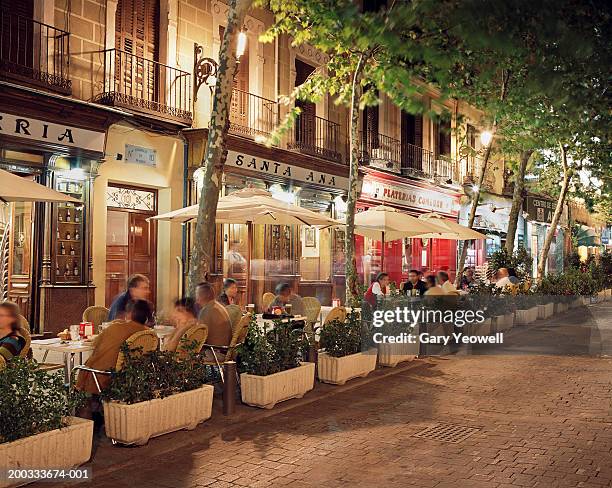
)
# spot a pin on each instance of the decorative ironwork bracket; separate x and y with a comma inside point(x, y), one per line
point(203, 68)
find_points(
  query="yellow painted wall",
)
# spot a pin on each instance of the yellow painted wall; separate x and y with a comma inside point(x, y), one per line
point(167, 178)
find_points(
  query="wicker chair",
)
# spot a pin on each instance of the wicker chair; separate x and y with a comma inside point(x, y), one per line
point(23, 323)
point(96, 315)
point(28, 342)
point(197, 333)
point(312, 310)
point(2, 363)
point(222, 354)
point(145, 339)
point(336, 313)
point(267, 300)
point(235, 314)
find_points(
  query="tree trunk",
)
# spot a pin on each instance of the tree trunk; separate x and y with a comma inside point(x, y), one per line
point(349, 241)
point(517, 200)
point(567, 176)
point(202, 253)
point(474, 206)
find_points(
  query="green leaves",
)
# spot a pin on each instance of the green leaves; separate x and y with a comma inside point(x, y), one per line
point(266, 352)
point(156, 374)
point(340, 339)
point(33, 401)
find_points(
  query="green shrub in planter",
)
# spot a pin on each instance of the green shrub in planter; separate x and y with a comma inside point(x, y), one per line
point(33, 401)
point(156, 374)
point(342, 338)
point(268, 351)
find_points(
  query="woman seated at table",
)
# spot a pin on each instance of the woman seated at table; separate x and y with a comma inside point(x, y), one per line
point(108, 344)
point(378, 288)
point(182, 319)
point(11, 340)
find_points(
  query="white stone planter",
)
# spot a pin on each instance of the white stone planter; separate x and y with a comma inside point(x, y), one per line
point(137, 423)
point(338, 371)
point(525, 317)
point(63, 448)
point(546, 310)
point(601, 296)
point(586, 300)
point(484, 328)
point(608, 294)
point(267, 391)
point(391, 354)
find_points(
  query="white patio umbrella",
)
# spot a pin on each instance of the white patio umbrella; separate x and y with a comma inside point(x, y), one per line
point(14, 188)
point(384, 223)
point(451, 230)
point(253, 206)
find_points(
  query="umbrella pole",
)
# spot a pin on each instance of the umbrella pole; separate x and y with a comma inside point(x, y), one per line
point(382, 254)
point(248, 266)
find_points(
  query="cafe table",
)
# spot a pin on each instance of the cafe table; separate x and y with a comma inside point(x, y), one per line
point(261, 322)
point(69, 349)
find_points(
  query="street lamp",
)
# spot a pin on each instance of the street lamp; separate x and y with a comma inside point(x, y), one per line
point(486, 137)
point(205, 69)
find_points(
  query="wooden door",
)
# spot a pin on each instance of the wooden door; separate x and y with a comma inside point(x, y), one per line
point(131, 247)
point(20, 257)
point(16, 32)
point(143, 248)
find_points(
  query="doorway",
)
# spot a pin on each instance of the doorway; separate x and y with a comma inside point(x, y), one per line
point(131, 243)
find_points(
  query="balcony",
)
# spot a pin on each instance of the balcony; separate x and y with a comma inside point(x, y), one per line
point(146, 86)
point(252, 115)
point(317, 136)
point(34, 53)
point(380, 151)
point(422, 163)
point(472, 172)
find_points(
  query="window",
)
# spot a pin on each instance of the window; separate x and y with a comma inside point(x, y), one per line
point(305, 130)
point(442, 138)
point(412, 140)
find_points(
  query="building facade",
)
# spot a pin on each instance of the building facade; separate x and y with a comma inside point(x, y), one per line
point(125, 77)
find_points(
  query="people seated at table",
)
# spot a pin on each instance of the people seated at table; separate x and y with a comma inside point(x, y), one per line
point(11, 340)
point(445, 284)
point(213, 315)
point(137, 289)
point(377, 289)
point(182, 318)
point(432, 288)
point(284, 296)
point(229, 293)
point(467, 278)
point(108, 343)
point(414, 283)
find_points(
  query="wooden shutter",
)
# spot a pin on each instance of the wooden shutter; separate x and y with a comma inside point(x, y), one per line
point(239, 109)
point(305, 128)
point(412, 134)
point(137, 35)
point(370, 125)
point(444, 138)
point(17, 32)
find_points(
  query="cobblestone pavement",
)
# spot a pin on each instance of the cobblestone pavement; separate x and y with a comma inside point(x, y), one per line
point(537, 420)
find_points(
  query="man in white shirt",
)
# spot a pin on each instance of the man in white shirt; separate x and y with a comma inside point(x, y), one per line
point(445, 284)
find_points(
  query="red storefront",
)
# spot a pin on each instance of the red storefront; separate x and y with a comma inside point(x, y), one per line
point(400, 256)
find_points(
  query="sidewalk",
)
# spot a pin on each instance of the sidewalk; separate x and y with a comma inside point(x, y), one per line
point(529, 420)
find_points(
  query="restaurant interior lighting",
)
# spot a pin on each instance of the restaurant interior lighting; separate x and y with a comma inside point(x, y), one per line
point(279, 193)
point(340, 204)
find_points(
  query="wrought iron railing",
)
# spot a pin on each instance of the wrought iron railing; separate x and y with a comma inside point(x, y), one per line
point(33, 52)
point(252, 115)
point(380, 151)
point(317, 136)
point(147, 86)
point(420, 162)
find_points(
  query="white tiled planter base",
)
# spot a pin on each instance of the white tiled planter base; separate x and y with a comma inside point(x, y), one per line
point(137, 423)
point(338, 371)
point(267, 391)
